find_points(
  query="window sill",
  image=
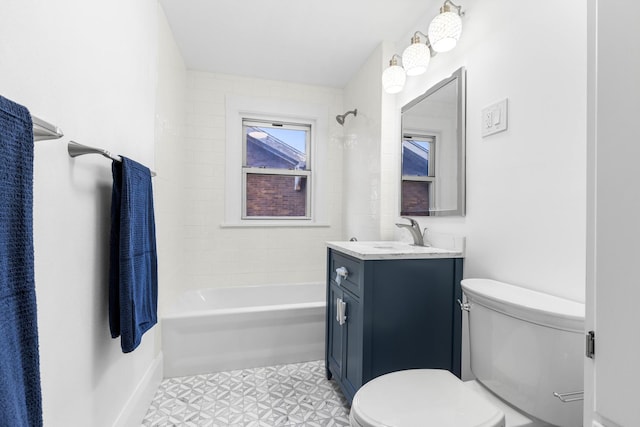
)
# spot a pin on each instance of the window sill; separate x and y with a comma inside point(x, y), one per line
point(274, 224)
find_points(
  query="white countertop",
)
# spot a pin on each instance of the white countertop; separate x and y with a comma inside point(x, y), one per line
point(391, 250)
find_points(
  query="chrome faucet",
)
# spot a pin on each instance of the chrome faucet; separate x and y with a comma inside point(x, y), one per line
point(414, 229)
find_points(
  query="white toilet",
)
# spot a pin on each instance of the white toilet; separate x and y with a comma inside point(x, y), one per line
point(524, 345)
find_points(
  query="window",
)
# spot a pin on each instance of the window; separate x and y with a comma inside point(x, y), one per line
point(418, 174)
point(247, 183)
point(276, 173)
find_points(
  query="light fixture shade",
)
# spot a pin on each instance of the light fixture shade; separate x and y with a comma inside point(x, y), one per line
point(415, 59)
point(444, 31)
point(393, 79)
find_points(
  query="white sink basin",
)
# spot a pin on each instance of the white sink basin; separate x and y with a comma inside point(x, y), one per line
point(390, 245)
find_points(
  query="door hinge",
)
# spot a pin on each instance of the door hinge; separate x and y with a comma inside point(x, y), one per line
point(590, 344)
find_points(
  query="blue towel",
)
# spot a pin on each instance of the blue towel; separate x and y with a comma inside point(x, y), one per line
point(20, 393)
point(133, 272)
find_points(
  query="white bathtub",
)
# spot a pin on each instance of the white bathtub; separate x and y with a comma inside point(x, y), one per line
point(220, 329)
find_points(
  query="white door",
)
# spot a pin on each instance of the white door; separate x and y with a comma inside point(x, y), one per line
point(612, 378)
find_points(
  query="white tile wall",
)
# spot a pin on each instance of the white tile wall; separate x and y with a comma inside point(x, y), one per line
point(362, 153)
point(218, 256)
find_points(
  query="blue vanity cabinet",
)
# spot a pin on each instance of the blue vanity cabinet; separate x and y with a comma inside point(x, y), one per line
point(391, 314)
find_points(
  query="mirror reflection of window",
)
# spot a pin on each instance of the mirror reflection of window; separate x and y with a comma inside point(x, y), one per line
point(418, 173)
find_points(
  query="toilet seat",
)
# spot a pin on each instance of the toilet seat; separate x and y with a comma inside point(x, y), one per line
point(421, 398)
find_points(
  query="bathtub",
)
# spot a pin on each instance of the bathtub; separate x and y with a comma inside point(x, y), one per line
point(220, 329)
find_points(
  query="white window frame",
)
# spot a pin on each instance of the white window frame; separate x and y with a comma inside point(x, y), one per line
point(247, 170)
point(272, 110)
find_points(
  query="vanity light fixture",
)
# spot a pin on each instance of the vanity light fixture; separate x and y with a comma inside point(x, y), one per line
point(445, 29)
point(417, 55)
point(442, 36)
point(394, 77)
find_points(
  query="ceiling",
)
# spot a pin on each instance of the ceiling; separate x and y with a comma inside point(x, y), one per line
point(319, 42)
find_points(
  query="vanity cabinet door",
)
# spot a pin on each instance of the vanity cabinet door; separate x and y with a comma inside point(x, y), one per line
point(344, 339)
point(334, 332)
point(415, 322)
point(352, 341)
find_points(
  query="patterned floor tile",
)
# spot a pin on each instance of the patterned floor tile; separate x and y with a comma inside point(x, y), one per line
point(295, 395)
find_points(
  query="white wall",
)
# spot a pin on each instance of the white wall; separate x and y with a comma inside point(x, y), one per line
point(526, 187)
point(232, 256)
point(170, 124)
point(89, 68)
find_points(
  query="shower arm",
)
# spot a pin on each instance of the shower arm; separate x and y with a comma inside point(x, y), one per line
point(340, 118)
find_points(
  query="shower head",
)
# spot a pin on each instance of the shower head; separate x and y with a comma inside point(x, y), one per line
point(340, 118)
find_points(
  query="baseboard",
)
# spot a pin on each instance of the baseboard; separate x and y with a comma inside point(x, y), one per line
point(136, 407)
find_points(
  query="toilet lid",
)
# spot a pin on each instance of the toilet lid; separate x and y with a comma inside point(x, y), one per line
point(422, 397)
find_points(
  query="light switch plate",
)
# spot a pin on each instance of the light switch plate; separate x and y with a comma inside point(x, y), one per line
point(494, 118)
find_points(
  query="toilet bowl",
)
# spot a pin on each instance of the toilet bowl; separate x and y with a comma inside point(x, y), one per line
point(524, 346)
point(419, 398)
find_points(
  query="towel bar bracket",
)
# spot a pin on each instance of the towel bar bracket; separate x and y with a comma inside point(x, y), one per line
point(43, 130)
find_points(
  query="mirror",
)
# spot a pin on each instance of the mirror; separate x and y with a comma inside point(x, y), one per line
point(433, 150)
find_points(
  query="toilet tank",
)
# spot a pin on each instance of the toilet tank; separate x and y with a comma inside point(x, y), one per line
point(526, 345)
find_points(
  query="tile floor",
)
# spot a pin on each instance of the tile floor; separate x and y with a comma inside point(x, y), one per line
point(285, 395)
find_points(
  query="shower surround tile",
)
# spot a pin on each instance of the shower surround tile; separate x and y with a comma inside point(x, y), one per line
point(294, 395)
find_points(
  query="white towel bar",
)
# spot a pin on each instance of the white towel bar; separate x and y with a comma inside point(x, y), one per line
point(76, 150)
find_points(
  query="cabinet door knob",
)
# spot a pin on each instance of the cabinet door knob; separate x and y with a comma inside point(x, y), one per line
point(341, 274)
